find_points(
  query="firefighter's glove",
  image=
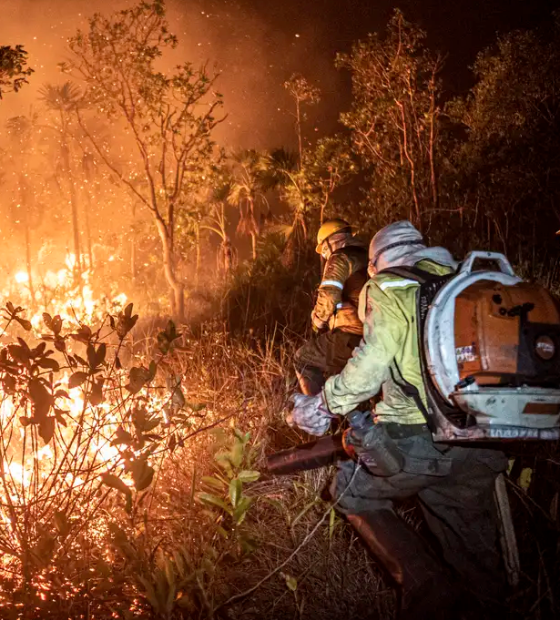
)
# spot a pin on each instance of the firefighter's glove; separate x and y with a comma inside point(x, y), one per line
point(317, 323)
point(311, 414)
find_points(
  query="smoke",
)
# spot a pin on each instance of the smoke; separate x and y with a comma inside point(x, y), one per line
point(253, 54)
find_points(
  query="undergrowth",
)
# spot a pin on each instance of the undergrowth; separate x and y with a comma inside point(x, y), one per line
point(180, 519)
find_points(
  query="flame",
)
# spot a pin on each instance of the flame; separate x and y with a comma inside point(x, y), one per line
point(21, 277)
point(58, 293)
point(32, 473)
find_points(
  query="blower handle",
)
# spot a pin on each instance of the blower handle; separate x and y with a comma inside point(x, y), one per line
point(503, 262)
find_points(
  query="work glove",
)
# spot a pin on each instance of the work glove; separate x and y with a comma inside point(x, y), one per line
point(317, 324)
point(310, 414)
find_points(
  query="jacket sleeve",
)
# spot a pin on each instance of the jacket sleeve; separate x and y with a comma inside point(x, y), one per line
point(368, 368)
point(335, 274)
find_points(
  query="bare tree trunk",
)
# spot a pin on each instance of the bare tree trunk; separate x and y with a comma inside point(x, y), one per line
point(28, 259)
point(227, 257)
point(410, 162)
point(433, 178)
point(133, 265)
point(198, 257)
point(254, 244)
point(298, 129)
point(323, 206)
point(177, 287)
point(87, 210)
point(24, 197)
point(73, 202)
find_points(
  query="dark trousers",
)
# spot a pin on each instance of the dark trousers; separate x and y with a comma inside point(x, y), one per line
point(326, 354)
point(455, 488)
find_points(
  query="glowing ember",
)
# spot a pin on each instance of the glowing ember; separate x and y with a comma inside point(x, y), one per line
point(21, 277)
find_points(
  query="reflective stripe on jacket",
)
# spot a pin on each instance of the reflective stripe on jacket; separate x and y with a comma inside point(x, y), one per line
point(388, 309)
point(344, 276)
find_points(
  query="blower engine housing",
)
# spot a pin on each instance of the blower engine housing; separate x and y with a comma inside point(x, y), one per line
point(491, 356)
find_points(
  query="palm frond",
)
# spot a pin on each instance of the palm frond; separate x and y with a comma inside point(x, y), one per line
point(66, 98)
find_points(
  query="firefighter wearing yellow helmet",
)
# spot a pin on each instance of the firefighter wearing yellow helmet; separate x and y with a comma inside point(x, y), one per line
point(335, 315)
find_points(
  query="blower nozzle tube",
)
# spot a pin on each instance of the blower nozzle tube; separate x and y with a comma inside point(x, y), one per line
point(319, 453)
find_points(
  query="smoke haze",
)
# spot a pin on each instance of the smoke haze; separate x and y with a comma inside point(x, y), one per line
point(254, 59)
point(258, 44)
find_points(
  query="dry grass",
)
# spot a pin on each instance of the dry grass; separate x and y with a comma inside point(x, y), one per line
point(245, 383)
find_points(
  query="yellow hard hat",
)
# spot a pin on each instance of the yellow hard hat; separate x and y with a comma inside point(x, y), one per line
point(330, 227)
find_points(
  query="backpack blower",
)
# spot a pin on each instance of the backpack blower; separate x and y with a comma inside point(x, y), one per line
point(490, 353)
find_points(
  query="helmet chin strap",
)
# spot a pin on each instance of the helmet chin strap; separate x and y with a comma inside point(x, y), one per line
point(329, 248)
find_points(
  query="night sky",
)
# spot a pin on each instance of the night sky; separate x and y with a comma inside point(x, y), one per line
point(258, 44)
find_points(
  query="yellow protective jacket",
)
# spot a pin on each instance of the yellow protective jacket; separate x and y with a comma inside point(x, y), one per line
point(344, 276)
point(388, 310)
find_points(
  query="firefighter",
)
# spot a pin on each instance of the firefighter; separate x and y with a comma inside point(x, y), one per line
point(454, 485)
point(335, 315)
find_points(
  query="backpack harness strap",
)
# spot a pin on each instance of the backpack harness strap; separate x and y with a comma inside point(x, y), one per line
point(407, 388)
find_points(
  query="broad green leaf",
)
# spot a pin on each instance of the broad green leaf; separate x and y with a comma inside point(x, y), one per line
point(101, 354)
point(46, 429)
point(241, 509)
point(332, 523)
point(137, 378)
point(142, 474)
point(49, 364)
point(235, 490)
point(248, 475)
point(213, 482)
point(291, 582)
point(114, 482)
point(42, 399)
point(24, 323)
point(121, 437)
point(152, 369)
point(525, 478)
point(236, 453)
point(77, 379)
point(208, 498)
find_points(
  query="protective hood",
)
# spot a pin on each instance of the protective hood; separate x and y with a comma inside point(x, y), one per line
point(401, 244)
point(343, 240)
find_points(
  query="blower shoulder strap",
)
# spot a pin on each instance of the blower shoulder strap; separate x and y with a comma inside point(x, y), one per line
point(411, 391)
point(429, 285)
point(412, 273)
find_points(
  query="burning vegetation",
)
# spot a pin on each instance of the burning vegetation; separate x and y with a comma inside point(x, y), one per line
point(131, 448)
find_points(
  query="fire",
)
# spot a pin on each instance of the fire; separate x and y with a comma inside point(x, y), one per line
point(57, 460)
point(21, 277)
point(58, 293)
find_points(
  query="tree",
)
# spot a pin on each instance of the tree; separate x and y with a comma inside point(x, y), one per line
point(308, 188)
point(66, 101)
point(13, 68)
point(326, 168)
point(395, 120)
point(26, 168)
point(303, 93)
point(216, 222)
point(251, 180)
point(508, 167)
point(168, 116)
point(292, 184)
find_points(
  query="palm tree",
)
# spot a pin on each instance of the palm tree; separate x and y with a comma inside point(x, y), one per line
point(66, 100)
point(251, 180)
point(216, 222)
point(292, 183)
